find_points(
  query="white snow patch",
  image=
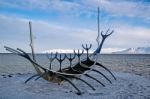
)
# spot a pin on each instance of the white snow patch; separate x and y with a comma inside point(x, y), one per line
point(63, 51)
point(127, 86)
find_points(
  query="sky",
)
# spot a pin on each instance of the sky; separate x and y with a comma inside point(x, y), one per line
point(67, 24)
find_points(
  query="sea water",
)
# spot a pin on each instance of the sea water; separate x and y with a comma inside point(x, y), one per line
point(12, 63)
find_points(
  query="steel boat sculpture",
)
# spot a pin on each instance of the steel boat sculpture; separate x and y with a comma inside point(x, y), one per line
point(73, 71)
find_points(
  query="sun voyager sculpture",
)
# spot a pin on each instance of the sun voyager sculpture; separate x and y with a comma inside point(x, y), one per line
point(73, 71)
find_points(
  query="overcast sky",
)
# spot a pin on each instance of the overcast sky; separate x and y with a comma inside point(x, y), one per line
point(66, 24)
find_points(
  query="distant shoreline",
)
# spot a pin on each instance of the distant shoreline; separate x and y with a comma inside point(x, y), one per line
point(100, 54)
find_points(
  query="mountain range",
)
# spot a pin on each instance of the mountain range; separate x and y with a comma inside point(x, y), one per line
point(63, 51)
point(138, 50)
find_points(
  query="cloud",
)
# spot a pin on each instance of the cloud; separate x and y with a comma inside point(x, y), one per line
point(88, 8)
point(123, 8)
point(45, 5)
point(15, 33)
point(126, 36)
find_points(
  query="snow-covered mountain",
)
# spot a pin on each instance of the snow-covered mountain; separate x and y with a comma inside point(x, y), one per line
point(138, 50)
point(104, 50)
point(63, 51)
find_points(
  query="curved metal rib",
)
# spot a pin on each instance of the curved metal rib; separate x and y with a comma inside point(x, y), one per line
point(85, 82)
point(95, 79)
point(106, 69)
point(85, 66)
point(41, 76)
point(87, 75)
point(63, 77)
point(101, 74)
point(31, 77)
point(92, 62)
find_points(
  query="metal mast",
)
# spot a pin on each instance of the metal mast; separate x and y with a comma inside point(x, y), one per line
point(31, 41)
